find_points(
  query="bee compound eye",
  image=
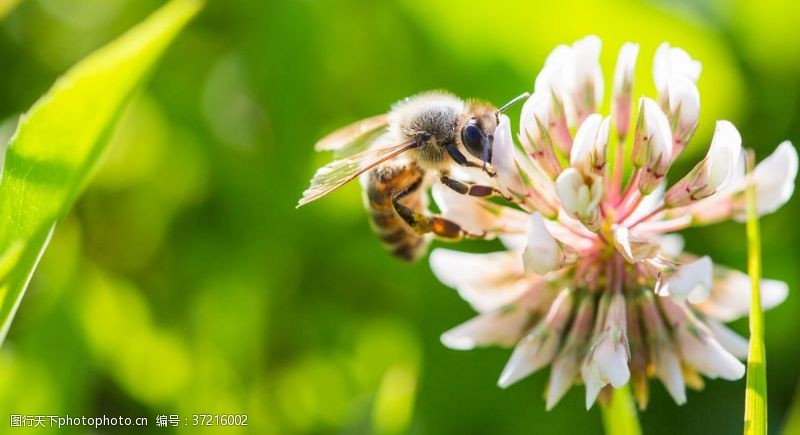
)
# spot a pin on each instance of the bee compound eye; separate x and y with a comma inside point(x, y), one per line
point(472, 137)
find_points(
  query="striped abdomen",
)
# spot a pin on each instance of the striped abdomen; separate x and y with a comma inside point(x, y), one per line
point(379, 185)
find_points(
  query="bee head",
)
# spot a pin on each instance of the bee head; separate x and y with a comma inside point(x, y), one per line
point(477, 131)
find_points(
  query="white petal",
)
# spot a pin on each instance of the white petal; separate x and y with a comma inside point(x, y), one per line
point(587, 65)
point(612, 361)
point(623, 243)
point(698, 347)
point(587, 57)
point(626, 62)
point(634, 249)
point(683, 95)
point(730, 295)
point(533, 352)
point(659, 130)
point(477, 215)
point(537, 106)
point(538, 348)
point(543, 253)
point(673, 62)
point(567, 186)
point(503, 157)
point(661, 70)
point(562, 377)
point(582, 146)
point(671, 245)
point(723, 154)
point(593, 383)
point(500, 327)
point(708, 357)
point(692, 281)
point(612, 354)
point(649, 204)
point(668, 370)
point(731, 341)
point(486, 281)
point(681, 64)
point(774, 178)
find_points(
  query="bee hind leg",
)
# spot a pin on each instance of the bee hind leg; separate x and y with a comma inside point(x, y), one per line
point(472, 189)
point(423, 223)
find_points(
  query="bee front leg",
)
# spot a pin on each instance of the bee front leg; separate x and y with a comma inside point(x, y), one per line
point(472, 189)
point(423, 223)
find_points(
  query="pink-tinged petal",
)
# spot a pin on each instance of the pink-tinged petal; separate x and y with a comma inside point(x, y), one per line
point(684, 106)
point(536, 107)
point(652, 145)
point(774, 178)
point(538, 347)
point(713, 209)
point(623, 86)
point(713, 173)
point(730, 295)
point(588, 75)
point(734, 343)
point(573, 76)
point(486, 281)
point(626, 64)
point(691, 281)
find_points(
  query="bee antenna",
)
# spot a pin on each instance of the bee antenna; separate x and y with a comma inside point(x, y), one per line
point(516, 100)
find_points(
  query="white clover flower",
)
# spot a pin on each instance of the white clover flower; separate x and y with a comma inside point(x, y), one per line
point(594, 282)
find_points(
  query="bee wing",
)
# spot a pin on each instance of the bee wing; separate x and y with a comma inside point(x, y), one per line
point(355, 137)
point(338, 173)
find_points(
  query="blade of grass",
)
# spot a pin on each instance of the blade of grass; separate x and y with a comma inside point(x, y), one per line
point(755, 403)
point(619, 416)
point(59, 141)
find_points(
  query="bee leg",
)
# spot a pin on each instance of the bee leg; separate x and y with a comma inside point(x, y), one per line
point(423, 223)
point(473, 189)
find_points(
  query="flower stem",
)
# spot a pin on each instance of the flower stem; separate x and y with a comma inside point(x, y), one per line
point(755, 403)
point(619, 416)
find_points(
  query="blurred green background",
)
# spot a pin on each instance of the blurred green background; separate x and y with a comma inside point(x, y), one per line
point(184, 281)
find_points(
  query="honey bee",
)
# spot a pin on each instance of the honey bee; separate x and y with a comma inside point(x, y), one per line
point(399, 154)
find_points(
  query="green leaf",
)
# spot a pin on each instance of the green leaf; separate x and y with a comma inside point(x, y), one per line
point(59, 141)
